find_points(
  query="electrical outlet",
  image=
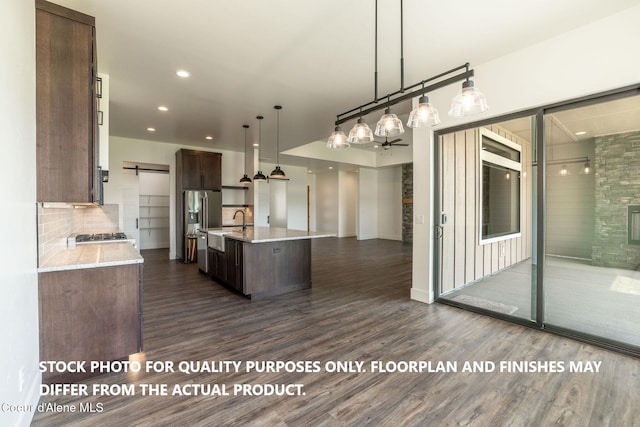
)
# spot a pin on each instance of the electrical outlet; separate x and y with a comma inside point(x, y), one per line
point(503, 249)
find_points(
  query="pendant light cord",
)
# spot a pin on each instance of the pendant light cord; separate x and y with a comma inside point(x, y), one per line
point(259, 138)
point(375, 72)
point(245, 147)
point(401, 47)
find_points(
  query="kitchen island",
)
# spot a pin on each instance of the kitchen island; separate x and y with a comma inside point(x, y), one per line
point(264, 261)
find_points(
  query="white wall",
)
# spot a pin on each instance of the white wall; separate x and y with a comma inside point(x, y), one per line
point(19, 379)
point(327, 202)
point(125, 149)
point(347, 202)
point(587, 60)
point(390, 203)
point(367, 204)
point(379, 210)
point(296, 197)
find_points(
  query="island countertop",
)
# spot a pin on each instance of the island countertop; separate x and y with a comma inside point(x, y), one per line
point(274, 234)
point(93, 255)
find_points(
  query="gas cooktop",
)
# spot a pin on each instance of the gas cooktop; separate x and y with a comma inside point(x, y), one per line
point(99, 237)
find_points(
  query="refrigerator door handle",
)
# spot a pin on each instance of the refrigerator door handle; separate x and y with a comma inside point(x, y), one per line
point(204, 221)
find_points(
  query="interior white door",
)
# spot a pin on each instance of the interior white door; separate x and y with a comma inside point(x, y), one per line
point(131, 207)
point(278, 203)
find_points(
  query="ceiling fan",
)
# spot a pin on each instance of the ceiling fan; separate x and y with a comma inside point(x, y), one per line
point(394, 143)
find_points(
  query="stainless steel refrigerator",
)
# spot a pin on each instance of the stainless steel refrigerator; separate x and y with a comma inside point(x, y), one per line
point(202, 210)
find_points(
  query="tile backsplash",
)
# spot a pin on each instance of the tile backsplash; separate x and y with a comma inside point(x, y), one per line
point(228, 212)
point(56, 224)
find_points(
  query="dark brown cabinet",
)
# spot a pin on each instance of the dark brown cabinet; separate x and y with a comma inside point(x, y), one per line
point(66, 105)
point(198, 170)
point(217, 265)
point(259, 270)
point(234, 255)
point(90, 314)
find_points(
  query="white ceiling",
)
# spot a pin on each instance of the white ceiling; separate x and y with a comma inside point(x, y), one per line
point(315, 58)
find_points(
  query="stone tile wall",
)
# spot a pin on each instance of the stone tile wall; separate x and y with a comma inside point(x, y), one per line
point(617, 168)
point(407, 208)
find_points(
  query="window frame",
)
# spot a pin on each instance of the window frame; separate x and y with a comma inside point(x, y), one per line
point(500, 161)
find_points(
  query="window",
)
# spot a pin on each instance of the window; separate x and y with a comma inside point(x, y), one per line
point(500, 187)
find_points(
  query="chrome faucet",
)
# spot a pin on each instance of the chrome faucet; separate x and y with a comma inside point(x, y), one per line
point(244, 223)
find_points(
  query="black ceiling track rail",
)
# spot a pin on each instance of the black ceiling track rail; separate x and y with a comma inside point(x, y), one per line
point(402, 94)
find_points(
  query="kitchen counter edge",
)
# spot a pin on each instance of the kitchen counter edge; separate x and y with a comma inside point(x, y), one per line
point(275, 234)
point(94, 255)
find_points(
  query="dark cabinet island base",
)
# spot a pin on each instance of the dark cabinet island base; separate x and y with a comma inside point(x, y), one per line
point(264, 262)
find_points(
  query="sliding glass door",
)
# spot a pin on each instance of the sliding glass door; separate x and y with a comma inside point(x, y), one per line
point(538, 219)
point(486, 218)
point(592, 244)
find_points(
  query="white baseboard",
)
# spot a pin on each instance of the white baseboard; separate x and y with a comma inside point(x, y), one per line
point(421, 295)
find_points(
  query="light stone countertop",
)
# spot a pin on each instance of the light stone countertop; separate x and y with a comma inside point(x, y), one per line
point(93, 255)
point(274, 234)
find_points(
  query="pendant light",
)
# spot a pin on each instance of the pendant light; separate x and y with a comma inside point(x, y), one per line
point(245, 180)
point(277, 173)
point(259, 176)
point(469, 101)
point(425, 114)
point(361, 133)
point(337, 140)
point(389, 125)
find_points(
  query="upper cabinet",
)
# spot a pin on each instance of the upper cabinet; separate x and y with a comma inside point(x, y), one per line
point(66, 111)
point(198, 170)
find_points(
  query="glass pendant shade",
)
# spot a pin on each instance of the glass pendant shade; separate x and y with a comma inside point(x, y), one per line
point(389, 125)
point(337, 139)
point(425, 114)
point(468, 102)
point(361, 133)
point(277, 173)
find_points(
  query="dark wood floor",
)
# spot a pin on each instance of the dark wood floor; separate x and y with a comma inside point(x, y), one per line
point(358, 310)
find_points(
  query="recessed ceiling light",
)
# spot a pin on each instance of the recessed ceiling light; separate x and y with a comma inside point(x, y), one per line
point(183, 73)
point(163, 108)
point(209, 137)
point(582, 132)
point(330, 167)
point(309, 171)
point(151, 129)
point(256, 145)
